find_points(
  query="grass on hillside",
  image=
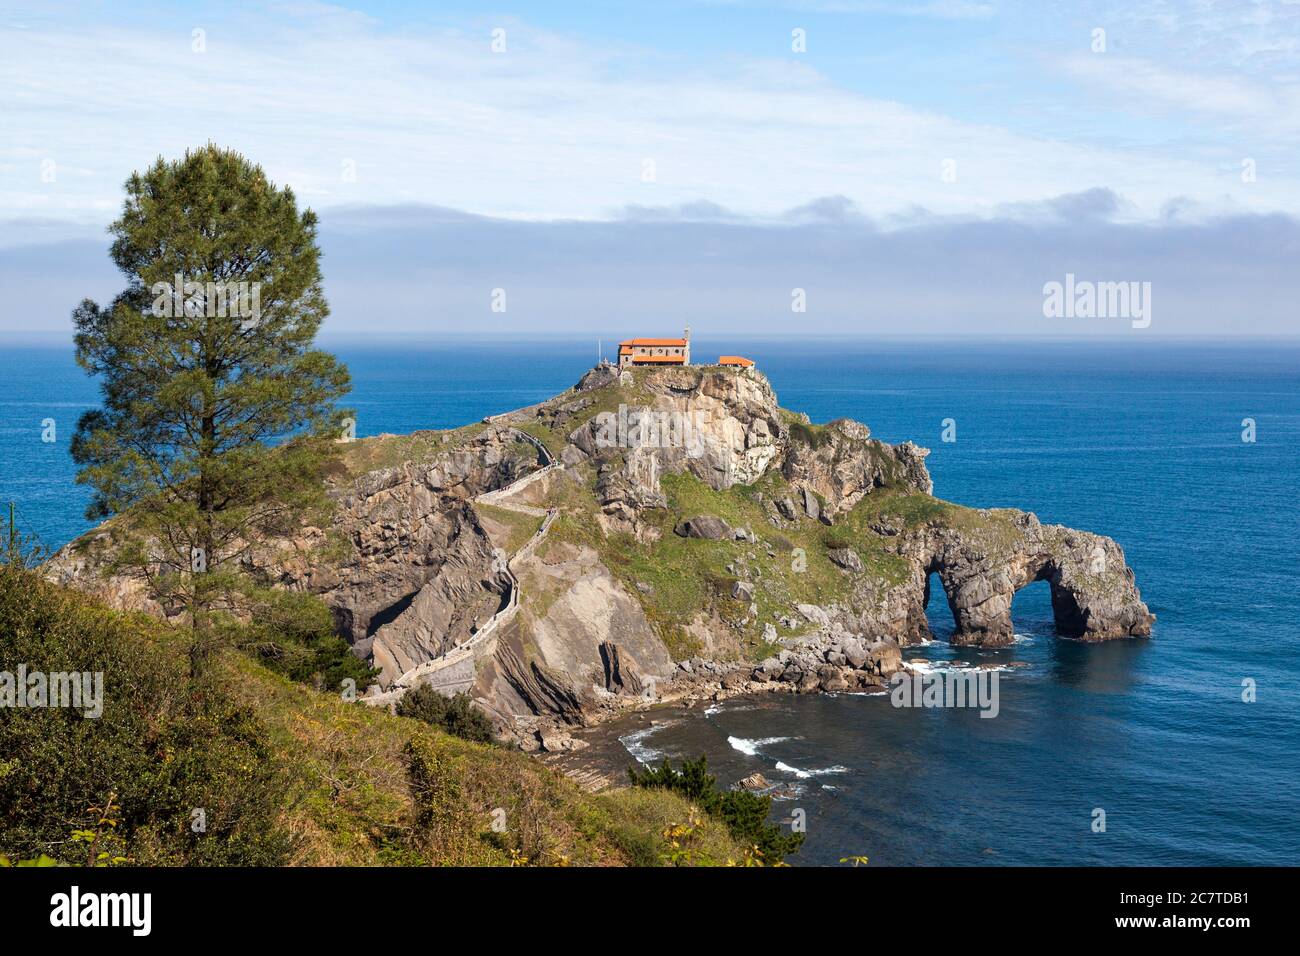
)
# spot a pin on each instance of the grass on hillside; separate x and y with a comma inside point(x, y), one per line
point(352, 802)
point(789, 565)
point(286, 773)
point(389, 451)
point(519, 525)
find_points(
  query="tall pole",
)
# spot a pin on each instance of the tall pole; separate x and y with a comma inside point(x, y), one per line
point(13, 530)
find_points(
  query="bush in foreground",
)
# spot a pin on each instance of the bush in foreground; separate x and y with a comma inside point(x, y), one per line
point(169, 773)
point(456, 715)
point(744, 813)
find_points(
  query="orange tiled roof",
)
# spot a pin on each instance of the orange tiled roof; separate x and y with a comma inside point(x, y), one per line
point(735, 360)
point(664, 359)
point(680, 343)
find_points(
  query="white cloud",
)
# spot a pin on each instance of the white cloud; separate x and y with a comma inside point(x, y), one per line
point(1148, 86)
point(554, 128)
point(937, 9)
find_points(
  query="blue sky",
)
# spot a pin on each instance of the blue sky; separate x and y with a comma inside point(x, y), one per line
point(897, 117)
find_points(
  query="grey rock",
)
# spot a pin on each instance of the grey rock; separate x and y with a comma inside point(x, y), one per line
point(854, 652)
point(811, 506)
point(708, 527)
point(814, 614)
point(846, 558)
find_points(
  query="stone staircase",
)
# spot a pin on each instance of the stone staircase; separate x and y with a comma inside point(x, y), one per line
point(455, 671)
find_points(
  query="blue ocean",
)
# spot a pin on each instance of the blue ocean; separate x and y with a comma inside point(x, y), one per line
point(1139, 440)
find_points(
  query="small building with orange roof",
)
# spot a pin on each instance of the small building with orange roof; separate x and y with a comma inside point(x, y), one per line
point(669, 352)
point(655, 351)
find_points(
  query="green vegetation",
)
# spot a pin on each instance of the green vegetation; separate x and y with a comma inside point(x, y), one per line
point(456, 715)
point(133, 777)
point(519, 525)
point(206, 360)
point(391, 451)
point(812, 435)
point(690, 577)
point(292, 633)
point(744, 813)
point(283, 773)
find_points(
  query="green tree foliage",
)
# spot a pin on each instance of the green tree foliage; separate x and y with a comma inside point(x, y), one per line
point(744, 813)
point(124, 786)
point(456, 715)
point(218, 414)
point(293, 634)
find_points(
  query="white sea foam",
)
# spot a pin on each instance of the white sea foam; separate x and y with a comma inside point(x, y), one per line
point(947, 667)
point(751, 747)
point(635, 743)
point(805, 774)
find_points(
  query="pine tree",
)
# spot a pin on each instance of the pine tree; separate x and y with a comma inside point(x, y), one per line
point(218, 414)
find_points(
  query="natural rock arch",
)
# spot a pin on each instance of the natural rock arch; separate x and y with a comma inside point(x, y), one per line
point(1092, 590)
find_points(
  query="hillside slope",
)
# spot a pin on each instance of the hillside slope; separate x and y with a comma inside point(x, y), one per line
point(282, 774)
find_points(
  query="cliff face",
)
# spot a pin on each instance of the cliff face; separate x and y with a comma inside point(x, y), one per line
point(403, 561)
point(654, 529)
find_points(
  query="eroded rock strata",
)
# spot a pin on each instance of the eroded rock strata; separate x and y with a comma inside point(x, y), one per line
point(651, 534)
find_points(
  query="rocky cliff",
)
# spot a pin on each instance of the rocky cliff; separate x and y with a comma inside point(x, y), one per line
point(651, 533)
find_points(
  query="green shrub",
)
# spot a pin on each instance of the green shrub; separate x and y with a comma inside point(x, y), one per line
point(838, 540)
point(456, 715)
point(744, 813)
point(162, 748)
point(292, 633)
point(812, 435)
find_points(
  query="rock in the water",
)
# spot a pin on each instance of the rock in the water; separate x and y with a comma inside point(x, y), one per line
point(884, 657)
point(754, 783)
point(834, 683)
point(555, 741)
point(809, 683)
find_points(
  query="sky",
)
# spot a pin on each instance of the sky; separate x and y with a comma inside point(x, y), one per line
point(913, 168)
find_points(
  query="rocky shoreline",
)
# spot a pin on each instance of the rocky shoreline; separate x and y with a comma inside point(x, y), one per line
point(821, 663)
point(566, 564)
